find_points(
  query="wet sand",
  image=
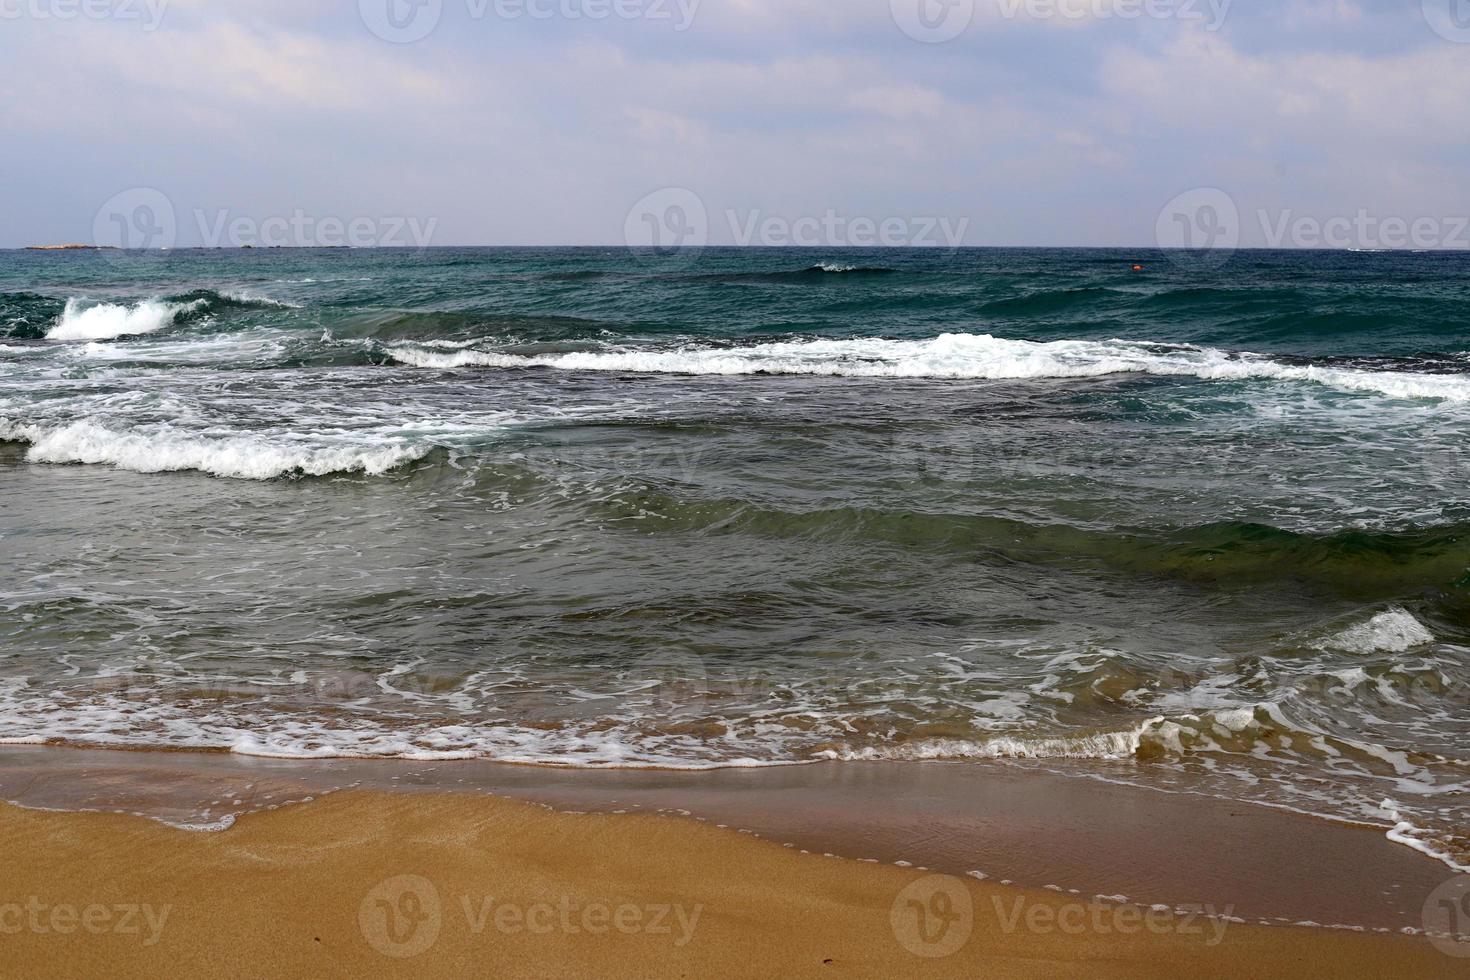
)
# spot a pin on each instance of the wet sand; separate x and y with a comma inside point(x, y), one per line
point(434, 884)
point(1029, 827)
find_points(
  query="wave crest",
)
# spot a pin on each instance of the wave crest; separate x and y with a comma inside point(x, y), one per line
point(959, 357)
point(106, 321)
point(241, 457)
point(1392, 631)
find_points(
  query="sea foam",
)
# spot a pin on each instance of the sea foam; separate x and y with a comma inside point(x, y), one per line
point(1392, 631)
point(1103, 745)
point(956, 356)
point(164, 449)
point(105, 321)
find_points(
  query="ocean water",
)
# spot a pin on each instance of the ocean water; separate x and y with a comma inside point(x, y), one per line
point(1201, 528)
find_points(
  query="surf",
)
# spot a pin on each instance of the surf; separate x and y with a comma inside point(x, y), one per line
point(955, 356)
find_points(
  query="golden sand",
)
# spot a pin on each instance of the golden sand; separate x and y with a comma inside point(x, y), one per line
point(367, 884)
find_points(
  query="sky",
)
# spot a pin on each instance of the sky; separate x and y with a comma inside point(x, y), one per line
point(156, 123)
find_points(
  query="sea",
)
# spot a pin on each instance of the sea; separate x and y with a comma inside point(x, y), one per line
point(1194, 522)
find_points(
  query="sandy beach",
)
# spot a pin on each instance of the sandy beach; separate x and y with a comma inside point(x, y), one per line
point(430, 883)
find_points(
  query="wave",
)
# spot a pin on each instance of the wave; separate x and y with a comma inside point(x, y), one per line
point(1103, 745)
point(84, 320)
point(25, 316)
point(165, 449)
point(812, 273)
point(1361, 564)
point(958, 357)
point(1393, 631)
point(837, 268)
point(106, 321)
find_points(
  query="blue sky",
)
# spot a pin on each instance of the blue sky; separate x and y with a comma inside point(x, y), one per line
point(1046, 122)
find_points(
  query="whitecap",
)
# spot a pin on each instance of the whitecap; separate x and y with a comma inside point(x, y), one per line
point(1102, 745)
point(164, 449)
point(104, 321)
point(955, 356)
point(1392, 631)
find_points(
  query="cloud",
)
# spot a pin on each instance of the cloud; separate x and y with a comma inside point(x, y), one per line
point(547, 131)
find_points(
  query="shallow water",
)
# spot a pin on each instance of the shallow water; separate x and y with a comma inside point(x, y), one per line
point(1204, 528)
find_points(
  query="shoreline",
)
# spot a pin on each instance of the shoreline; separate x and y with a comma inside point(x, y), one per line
point(1029, 827)
point(372, 883)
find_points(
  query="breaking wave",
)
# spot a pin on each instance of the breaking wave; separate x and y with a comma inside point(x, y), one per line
point(956, 356)
point(1104, 745)
point(106, 321)
point(1393, 631)
point(164, 449)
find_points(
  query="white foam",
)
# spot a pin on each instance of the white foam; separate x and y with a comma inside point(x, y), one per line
point(248, 296)
point(1404, 832)
point(956, 356)
point(1393, 631)
point(164, 449)
point(1104, 745)
point(105, 321)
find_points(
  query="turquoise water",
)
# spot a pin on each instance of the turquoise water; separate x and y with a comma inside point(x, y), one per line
point(1199, 528)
